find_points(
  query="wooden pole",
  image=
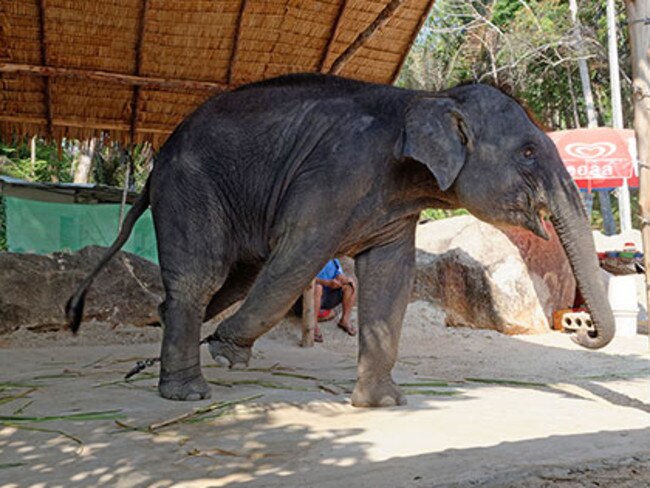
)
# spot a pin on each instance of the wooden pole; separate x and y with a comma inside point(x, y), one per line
point(638, 14)
point(308, 315)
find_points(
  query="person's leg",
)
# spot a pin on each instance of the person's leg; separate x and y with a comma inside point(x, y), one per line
point(349, 297)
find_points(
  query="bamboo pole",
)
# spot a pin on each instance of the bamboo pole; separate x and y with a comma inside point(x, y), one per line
point(638, 14)
point(308, 315)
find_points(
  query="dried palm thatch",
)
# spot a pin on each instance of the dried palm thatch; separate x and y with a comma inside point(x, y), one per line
point(136, 68)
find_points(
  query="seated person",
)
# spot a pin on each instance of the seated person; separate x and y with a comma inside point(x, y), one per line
point(332, 287)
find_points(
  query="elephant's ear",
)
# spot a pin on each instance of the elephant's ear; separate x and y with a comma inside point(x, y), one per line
point(436, 134)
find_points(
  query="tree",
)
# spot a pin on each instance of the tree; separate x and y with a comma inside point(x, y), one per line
point(527, 47)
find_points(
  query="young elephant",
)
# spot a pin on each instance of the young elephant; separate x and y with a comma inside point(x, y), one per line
point(259, 187)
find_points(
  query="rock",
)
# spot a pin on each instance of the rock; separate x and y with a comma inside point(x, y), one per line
point(483, 277)
point(34, 289)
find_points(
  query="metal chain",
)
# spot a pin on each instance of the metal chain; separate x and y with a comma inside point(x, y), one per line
point(141, 366)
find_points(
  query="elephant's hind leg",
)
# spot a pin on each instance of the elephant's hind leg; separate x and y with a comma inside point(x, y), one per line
point(190, 278)
point(180, 368)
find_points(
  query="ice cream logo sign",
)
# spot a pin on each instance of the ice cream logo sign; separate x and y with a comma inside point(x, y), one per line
point(596, 161)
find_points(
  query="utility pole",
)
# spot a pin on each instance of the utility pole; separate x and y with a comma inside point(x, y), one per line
point(638, 21)
point(592, 122)
point(625, 213)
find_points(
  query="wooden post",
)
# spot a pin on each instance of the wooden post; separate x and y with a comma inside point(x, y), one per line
point(308, 315)
point(33, 158)
point(638, 15)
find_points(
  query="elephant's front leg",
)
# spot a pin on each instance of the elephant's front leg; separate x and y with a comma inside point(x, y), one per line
point(385, 280)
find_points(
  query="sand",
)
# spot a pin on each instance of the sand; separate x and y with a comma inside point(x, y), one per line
point(483, 410)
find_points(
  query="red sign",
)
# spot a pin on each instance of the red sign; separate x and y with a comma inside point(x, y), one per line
point(598, 158)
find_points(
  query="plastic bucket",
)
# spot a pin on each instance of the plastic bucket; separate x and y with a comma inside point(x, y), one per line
point(621, 292)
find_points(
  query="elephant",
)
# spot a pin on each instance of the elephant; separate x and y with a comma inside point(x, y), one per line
point(260, 186)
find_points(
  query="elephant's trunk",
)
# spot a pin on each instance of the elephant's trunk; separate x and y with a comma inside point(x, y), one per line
point(572, 226)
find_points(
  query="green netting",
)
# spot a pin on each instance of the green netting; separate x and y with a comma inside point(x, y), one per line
point(45, 227)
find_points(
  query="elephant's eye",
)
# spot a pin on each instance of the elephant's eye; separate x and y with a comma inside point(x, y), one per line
point(529, 155)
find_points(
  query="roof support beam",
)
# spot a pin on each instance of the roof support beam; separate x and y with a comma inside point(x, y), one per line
point(122, 79)
point(142, 22)
point(47, 92)
point(414, 36)
point(81, 124)
point(235, 42)
point(382, 19)
point(332, 36)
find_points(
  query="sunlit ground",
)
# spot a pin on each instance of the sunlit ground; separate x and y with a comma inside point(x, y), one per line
point(481, 407)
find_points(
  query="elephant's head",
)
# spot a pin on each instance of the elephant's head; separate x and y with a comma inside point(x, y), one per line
point(486, 152)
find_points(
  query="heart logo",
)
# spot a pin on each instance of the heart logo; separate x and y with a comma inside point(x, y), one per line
point(597, 150)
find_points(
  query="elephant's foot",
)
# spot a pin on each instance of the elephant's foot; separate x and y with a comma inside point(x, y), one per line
point(184, 387)
point(377, 394)
point(228, 353)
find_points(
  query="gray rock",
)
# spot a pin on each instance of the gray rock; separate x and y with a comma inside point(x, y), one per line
point(483, 277)
point(34, 289)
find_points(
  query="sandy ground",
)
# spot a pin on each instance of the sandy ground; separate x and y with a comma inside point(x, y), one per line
point(483, 410)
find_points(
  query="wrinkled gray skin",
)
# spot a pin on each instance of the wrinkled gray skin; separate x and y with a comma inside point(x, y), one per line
point(259, 187)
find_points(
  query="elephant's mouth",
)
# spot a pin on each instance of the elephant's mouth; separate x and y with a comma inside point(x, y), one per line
point(537, 222)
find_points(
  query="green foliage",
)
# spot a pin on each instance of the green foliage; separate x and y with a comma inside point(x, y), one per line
point(439, 213)
point(54, 163)
point(16, 161)
point(527, 47)
point(597, 218)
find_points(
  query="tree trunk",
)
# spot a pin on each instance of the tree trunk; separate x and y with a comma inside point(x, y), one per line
point(638, 13)
point(84, 165)
point(592, 121)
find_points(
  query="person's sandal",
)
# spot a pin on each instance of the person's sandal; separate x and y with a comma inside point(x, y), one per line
point(318, 336)
point(351, 331)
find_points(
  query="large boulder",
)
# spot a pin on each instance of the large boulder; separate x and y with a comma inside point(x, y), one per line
point(483, 277)
point(34, 289)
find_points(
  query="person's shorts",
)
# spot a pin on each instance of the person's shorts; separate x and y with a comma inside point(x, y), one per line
point(331, 298)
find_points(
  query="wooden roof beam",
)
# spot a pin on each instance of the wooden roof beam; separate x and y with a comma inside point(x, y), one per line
point(107, 76)
point(382, 19)
point(332, 36)
point(142, 22)
point(235, 42)
point(47, 92)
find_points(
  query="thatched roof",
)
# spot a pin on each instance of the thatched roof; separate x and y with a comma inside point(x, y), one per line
point(136, 68)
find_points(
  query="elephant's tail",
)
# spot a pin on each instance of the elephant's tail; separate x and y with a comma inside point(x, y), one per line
point(75, 305)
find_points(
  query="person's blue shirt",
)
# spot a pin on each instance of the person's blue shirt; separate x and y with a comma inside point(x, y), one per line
point(331, 270)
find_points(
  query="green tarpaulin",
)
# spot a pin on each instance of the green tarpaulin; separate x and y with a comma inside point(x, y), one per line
point(44, 227)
